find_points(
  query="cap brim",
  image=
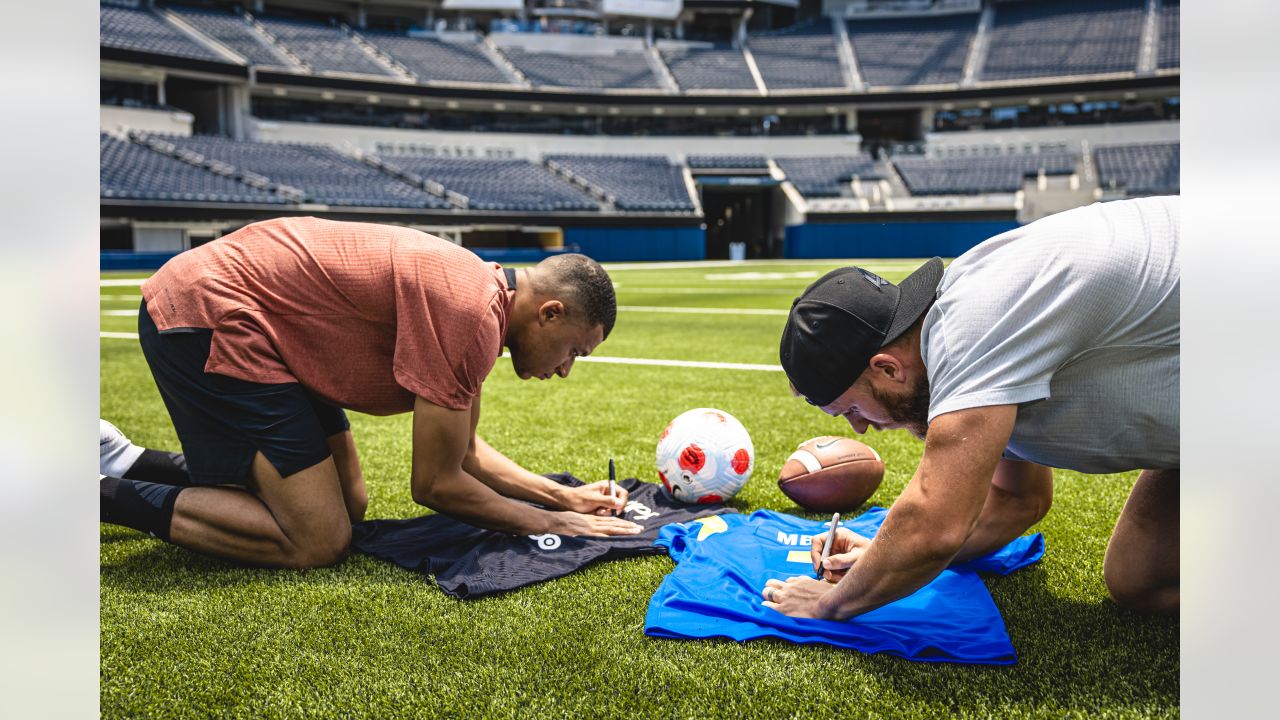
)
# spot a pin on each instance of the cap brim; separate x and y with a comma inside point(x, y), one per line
point(916, 293)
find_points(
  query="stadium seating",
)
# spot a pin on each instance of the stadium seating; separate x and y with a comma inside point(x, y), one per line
point(818, 177)
point(635, 182)
point(896, 52)
point(235, 32)
point(717, 67)
point(1029, 39)
point(728, 162)
point(798, 58)
point(129, 28)
point(624, 70)
point(1064, 37)
point(1149, 169)
point(497, 184)
point(439, 60)
point(973, 175)
point(1170, 52)
point(322, 173)
point(133, 172)
point(324, 48)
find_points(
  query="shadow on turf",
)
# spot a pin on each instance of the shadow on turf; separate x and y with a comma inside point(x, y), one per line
point(1071, 652)
point(161, 567)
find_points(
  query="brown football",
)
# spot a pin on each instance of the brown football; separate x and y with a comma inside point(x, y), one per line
point(831, 474)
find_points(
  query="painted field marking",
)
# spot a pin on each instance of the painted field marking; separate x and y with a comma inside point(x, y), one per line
point(681, 363)
point(119, 297)
point(704, 291)
point(905, 263)
point(702, 310)
point(121, 282)
point(590, 358)
point(121, 313)
point(760, 276)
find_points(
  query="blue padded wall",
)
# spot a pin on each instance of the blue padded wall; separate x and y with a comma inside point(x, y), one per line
point(889, 240)
point(130, 260)
point(615, 244)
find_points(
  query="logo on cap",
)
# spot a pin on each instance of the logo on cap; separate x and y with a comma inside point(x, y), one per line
point(872, 278)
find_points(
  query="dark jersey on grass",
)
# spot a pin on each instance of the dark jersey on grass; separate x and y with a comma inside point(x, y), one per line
point(470, 562)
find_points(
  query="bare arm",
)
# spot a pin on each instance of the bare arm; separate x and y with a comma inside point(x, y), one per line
point(930, 522)
point(1020, 495)
point(504, 476)
point(441, 439)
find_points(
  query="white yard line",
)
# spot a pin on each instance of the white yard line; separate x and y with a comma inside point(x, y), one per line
point(702, 310)
point(121, 313)
point(685, 290)
point(658, 362)
point(745, 264)
point(119, 297)
point(121, 282)
point(682, 363)
point(590, 358)
point(755, 276)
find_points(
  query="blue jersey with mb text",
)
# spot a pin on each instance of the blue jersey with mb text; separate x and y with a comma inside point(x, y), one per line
point(725, 560)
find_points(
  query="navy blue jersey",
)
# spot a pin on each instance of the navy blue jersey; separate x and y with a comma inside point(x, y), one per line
point(724, 562)
point(469, 562)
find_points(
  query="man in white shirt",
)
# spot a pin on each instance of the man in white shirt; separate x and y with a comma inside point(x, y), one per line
point(1052, 345)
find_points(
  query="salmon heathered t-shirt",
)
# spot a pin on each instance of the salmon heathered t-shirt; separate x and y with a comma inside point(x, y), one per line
point(364, 316)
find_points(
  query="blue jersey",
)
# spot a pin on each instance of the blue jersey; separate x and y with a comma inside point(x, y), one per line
point(724, 562)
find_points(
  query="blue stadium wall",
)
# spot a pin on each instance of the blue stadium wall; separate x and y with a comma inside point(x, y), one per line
point(603, 244)
point(618, 244)
point(813, 240)
point(889, 240)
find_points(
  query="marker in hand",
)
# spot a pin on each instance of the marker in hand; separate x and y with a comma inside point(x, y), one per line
point(826, 546)
point(613, 487)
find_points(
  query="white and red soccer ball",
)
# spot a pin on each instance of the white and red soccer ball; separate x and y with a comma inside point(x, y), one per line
point(704, 456)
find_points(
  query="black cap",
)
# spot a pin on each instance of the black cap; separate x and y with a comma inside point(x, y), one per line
point(843, 319)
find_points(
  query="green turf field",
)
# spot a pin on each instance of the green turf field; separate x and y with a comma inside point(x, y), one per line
point(188, 636)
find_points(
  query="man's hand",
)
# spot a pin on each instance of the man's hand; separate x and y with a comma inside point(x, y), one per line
point(594, 499)
point(847, 547)
point(573, 523)
point(930, 521)
point(797, 597)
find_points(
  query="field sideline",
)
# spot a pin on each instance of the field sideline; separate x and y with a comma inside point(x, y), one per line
point(188, 636)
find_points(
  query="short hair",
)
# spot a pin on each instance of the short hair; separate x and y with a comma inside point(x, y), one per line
point(583, 284)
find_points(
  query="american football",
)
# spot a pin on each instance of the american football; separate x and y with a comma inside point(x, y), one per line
point(831, 474)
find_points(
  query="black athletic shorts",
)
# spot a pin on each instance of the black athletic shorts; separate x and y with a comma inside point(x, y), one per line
point(223, 422)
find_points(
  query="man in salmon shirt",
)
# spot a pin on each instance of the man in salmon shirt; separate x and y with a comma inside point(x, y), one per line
point(257, 342)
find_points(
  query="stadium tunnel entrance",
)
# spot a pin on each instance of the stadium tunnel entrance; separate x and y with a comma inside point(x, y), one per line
point(882, 129)
point(745, 210)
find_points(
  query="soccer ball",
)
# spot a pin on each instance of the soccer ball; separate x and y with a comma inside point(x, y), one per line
point(704, 456)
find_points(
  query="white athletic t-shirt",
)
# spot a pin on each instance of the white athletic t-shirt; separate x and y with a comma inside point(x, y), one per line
point(1075, 319)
